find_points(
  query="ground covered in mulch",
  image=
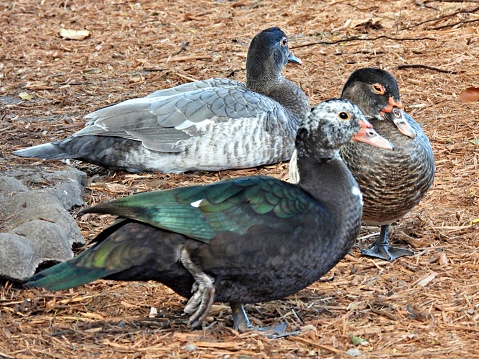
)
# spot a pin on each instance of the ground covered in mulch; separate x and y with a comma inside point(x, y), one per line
point(422, 306)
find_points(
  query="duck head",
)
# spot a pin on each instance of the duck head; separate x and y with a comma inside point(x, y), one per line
point(330, 125)
point(268, 53)
point(376, 92)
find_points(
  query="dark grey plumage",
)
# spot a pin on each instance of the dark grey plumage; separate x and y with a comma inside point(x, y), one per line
point(214, 124)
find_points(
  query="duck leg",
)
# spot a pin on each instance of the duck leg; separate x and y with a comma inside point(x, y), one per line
point(199, 305)
point(382, 249)
point(240, 319)
point(242, 324)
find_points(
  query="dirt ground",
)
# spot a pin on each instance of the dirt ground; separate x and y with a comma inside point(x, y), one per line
point(425, 306)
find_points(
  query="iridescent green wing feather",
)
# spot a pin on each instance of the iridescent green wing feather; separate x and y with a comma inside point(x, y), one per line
point(99, 261)
point(202, 212)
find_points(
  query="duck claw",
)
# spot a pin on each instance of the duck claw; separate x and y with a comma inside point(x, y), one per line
point(200, 303)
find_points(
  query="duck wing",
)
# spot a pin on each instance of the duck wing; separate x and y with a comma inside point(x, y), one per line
point(196, 85)
point(203, 212)
point(165, 120)
point(144, 243)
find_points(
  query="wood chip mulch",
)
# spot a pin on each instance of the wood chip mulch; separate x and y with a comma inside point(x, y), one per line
point(425, 306)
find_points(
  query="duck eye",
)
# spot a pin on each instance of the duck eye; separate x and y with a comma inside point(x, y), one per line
point(284, 41)
point(378, 88)
point(343, 115)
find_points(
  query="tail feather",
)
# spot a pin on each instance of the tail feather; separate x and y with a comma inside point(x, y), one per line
point(107, 151)
point(14, 282)
point(48, 151)
point(65, 275)
point(118, 249)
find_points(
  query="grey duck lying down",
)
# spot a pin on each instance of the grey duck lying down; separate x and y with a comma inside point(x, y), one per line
point(245, 240)
point(214, 124)
point(392, 182)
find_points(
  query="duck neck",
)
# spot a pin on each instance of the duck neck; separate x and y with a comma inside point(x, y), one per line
point(262, 72)
point(286, 92)
point(332, 184)
point(269, 82)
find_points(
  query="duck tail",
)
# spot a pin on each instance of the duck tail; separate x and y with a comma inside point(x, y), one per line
point(114, 253)
point(10, 281)
point(48, 151)
point(65, 275)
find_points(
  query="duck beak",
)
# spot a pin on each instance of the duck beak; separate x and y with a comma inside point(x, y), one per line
point(293, 59)
point(394, 114)
point(368, 135)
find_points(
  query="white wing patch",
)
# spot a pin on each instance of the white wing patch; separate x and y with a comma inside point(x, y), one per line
point(198, 125)
point(293, 168)
point(357, 192)
point(196, 203)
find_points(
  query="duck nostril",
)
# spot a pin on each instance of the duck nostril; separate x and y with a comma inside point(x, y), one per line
point(396, 112)
point(371, 133)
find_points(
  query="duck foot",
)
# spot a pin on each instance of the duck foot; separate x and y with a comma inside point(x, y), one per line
point(381, 248)
point(386, 252)
point(241, 323)
point(200, 303)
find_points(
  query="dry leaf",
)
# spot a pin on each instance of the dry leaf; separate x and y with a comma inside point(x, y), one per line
point(425, 280)
point(51, 304)
point(95, 316)
point(74, 34)
point(25, 96)
point(470, 94)
point(443, 259)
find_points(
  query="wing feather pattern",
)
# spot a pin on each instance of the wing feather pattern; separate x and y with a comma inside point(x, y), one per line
point(203, 212)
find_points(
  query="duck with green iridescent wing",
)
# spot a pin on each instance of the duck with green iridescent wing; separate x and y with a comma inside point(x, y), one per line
point(245, 240)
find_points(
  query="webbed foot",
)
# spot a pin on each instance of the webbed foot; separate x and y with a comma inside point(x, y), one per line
point(381, 248)
point(199, 305)
point(386, 252)
point(242, 324)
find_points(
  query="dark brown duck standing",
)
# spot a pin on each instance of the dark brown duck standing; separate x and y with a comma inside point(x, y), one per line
point(244, 240)
point(209, 125)
point(392, 182)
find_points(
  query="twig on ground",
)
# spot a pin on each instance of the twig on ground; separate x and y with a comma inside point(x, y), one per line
point(456, 23)
point(442, 17)
point(357, 38)
point(418, 66)
point(182, 48)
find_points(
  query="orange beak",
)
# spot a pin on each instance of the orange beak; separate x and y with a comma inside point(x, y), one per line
point(368, 135)
point(394, 114)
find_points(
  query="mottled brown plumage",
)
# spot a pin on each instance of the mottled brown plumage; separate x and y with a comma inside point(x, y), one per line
point(392, 182)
